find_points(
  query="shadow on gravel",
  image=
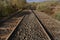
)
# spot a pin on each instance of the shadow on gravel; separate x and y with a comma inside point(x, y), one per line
point(23, 13)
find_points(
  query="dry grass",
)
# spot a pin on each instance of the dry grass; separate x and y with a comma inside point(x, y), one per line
point(51, 8)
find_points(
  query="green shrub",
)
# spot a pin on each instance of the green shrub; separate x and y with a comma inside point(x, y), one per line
point(6, 8)
point(6, 11)
point(57, 16)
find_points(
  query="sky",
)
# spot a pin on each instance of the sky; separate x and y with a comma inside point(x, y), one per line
point(35, 0)
point(39, 0)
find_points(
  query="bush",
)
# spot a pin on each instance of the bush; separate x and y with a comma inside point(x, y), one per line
point(57, 16)
point(6, 8)
point(6, 11)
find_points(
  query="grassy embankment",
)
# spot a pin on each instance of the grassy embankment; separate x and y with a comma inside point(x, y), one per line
point(51, 8)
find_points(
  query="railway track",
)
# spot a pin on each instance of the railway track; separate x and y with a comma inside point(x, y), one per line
point(51, 37)
point(52, 25)
point(29, 29)
point(7, 28)
point(30, 25)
